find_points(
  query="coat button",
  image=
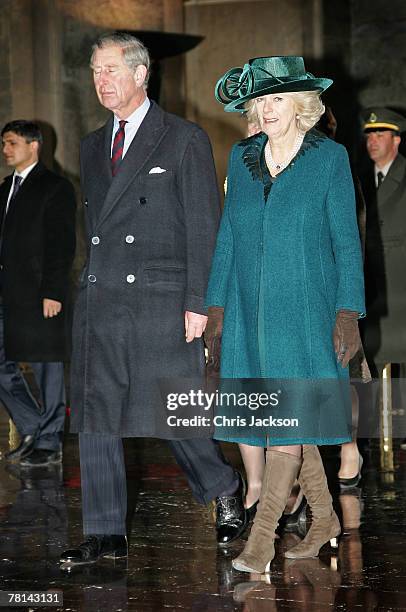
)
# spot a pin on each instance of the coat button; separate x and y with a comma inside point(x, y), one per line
point(129, 239)
point(86, 202)
point(130, 278)
point(91, 278)
point(95, 240)
point(143, 200)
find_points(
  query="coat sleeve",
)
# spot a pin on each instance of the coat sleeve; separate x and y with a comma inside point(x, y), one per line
point(201, 204)
point(342, 218)
point(59, 242)
point(223, 255)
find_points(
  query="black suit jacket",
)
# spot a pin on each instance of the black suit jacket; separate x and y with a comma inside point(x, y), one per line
point(37, 251)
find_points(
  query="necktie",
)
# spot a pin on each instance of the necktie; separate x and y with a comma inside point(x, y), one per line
point(380, 178)
point(16, 187)
point(118, 145)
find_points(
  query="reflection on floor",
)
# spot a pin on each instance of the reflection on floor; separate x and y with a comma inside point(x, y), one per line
point(174, 563)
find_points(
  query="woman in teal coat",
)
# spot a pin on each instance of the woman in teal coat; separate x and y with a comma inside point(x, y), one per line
point(287, 273)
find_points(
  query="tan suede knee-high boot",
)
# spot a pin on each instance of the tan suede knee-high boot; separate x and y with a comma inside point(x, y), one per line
point(281, 470)
point(325, 524)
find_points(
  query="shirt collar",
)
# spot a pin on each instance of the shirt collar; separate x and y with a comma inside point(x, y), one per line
point(384, 169)
point(24, 173)
point(137, 116)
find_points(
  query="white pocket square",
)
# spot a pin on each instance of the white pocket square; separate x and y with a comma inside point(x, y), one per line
point(156, 170)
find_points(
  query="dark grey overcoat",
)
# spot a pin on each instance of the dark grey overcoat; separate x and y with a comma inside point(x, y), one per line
point(150, 239)
point(385, 261)
point(37, 252)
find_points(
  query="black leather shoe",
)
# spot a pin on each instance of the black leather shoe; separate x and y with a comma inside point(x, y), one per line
point(95, 547)
point(41, 457)
point(25, 447)
point(231, 516)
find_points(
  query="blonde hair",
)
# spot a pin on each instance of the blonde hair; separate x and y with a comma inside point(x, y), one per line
point(308, 104)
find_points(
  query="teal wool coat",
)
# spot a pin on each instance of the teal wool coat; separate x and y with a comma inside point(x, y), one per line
point(288, 258)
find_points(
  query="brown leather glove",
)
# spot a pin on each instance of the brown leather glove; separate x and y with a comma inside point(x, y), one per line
point(346, 336)
point(212, 338)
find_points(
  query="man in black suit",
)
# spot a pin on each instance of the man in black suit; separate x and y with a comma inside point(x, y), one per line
point(152, 209)
point(37, 245)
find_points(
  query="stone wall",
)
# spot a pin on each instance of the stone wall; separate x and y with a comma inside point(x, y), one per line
point(378, 53)
point(45, 47)
point(234, 32)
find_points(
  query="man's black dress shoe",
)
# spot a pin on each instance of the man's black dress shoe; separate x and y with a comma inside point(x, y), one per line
point(231, 516)
point(41, 457)
point(95, 547)
point(25, 447)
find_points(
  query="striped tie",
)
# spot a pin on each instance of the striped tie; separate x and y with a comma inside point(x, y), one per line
point(118, 145)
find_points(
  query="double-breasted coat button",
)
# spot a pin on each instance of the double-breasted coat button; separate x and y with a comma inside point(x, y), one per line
point(91, 278)
point(86, 202)
point(95, 240)
point(130, 278)
point(143, 200)
point(129, 239)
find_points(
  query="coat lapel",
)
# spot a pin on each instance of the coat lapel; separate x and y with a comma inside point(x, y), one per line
point(26, 194)
point(5, 190)
point(100, 168)
point(392, 180)
point(146, 140)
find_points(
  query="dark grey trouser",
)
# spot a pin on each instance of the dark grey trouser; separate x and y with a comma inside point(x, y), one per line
point(104, 485)
point(47, 420)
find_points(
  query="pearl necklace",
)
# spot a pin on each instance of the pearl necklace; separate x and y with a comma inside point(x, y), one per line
point(272, 165)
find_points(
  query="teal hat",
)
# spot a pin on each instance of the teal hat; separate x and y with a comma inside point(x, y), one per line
point(265, 75)
point(380, 119)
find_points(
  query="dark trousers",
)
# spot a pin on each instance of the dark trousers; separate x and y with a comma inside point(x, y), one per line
point(104, 485)
point(45, 420)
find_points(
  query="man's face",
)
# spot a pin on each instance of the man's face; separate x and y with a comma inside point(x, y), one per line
point(382, 147)
point(117, 87)
point(17, 152)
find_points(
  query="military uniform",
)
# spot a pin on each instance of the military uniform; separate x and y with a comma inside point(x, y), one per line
point(385, 326)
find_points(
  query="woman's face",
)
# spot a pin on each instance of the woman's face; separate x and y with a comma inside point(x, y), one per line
point(276, 114)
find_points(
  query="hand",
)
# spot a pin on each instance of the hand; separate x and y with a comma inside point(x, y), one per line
point(195, 324)
point(50, 308)
point(346, 336)
point(212, 338)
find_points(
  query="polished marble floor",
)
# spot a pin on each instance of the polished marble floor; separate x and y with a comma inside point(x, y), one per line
point(174, 563)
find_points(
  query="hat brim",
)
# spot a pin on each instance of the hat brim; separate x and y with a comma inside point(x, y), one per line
point(237, 106)
point(381, 126)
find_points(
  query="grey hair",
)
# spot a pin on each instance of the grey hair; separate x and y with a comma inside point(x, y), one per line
point(134, 51)
point(308, 104)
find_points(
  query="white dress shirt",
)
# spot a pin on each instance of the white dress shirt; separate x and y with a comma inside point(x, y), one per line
point(24, 173)
point(131, 127)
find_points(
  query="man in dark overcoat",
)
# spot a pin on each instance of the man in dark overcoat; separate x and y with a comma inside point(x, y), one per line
point(152, 208)
point(384, 186)
point(37, 212)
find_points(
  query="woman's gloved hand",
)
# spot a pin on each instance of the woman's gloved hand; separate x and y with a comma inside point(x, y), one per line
point(212, 338)
point(346, 336)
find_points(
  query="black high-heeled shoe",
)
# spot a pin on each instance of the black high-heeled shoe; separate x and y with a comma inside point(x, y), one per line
point(297, 520)
point(347, 483)
point(252, 510)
